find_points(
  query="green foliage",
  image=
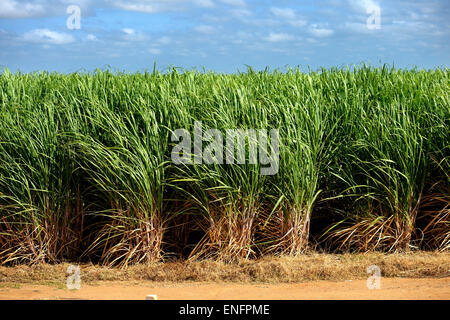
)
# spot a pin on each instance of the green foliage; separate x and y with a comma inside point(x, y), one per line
point(85, 160)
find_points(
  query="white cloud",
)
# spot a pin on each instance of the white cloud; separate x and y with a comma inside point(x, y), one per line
point(240, 37)
point(283, 13)
point(279, 37)
point(204, 3)
point(240, 13)
point(363, 5)
point(128, 31)
point(14, 9)
point(33, 8)
point(155, 6)
point(81, 3)
point(357, 27)
point(47, 36)
point(261, 22)
point(149, 6)
point(133, 35)
point(298, 23)
point(320, 32)
point(164, 40)
point(140, 7)
point(154, 51)
point(18, 9)
point(205, 29)
point(289, 15)
point(91, 37)
point(235, 3)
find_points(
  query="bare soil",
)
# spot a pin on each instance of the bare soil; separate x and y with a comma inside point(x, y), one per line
point(418, 275)
point(391, 288)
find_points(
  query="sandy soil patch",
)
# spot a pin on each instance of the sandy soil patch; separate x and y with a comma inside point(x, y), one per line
point(391, 288)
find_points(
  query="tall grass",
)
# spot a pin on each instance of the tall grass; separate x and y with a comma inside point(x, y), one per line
point(86, 170)
point(40, 215)
point(401, 118)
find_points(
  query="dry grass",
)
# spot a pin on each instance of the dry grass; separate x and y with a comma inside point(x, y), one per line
point(437, 231)
point(266, 270)
point(390, 234)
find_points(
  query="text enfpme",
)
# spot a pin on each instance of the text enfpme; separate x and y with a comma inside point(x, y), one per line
point(235, 140)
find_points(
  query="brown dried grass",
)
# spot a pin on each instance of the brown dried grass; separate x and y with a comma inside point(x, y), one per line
point(269, 269)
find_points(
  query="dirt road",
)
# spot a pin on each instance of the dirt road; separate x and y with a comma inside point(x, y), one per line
point(391, 288)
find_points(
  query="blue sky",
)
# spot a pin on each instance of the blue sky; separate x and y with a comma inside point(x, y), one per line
point(223, 35)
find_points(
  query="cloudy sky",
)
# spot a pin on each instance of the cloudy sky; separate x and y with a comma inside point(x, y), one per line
point(222, 35)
